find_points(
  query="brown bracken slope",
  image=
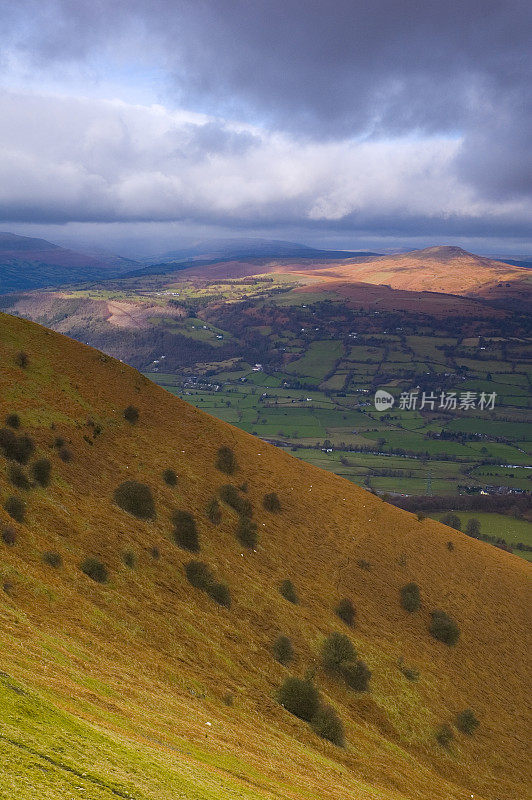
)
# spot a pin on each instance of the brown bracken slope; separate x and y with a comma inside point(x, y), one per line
point(144, 687)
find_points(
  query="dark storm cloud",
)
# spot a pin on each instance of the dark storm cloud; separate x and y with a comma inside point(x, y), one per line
point(315, 72)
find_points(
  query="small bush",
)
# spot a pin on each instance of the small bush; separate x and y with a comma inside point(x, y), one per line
point(16, 508)
point(199, 574)
point(226, 461)
point(327, 724)
point(444, 628)
point(16, 448)
point(170, 477)
point(230, 495)
point(220, 593)
point(356, 674)
point(154, 553)
point(22, 359)
point(95, 570)
point(288, 591)
point(185, 532)
point(214, 511)
point(421, 516)
point(473, 528)
point(246, 532)
point(18, 477)
point(13, 420)
point(444, 735)
point(467, 722)
point(452, 521)
point(271, 502)
point(299, 697)
point(410, 597)
point(410, 673)
point(131, 414)
point(52, 559)
point(24, 449)
point(336, 649)
point(41, 471)
point(65, 454)
point(450, 546)
point(59, 442)
point(346, 611)
point(283, 652)
point(9, 536)
point(129, 559)
point(135, 498)
point(363, 564)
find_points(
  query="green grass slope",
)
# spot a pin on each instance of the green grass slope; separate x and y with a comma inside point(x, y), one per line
point(144, 687)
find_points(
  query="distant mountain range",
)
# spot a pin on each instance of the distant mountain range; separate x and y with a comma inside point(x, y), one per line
point(28, 263)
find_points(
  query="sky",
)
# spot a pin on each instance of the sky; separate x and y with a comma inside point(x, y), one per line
point(139, 125)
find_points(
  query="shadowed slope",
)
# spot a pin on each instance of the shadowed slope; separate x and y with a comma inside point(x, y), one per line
point(145, 687)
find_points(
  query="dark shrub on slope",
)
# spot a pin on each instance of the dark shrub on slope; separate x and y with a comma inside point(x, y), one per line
point(346, 611)
point(41, 471)
point(185, 532)
point(410, 597)
point(135, 498)
point(226, 461)
point(444, 628)
point(299, 697)
point(327, 724)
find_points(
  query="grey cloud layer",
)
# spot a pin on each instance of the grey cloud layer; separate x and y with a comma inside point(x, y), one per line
point(313, 76)
point(65, 159)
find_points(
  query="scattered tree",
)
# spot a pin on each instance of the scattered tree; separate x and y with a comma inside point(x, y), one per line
point(356, 674)
point(13, 420)
point(410, 597)
point(220, 594)
point(444, 735)
point(452, 520)
point(300, 697)
point(226, 461)
point(9, 536)
point(230, 495)
point(41, 471)
point(18, 477)
point(336, 649)
point(131, 414)
point(214, 511)
point(288, 591)
point(473, 528)
point(327, 724)
point(199, 574)
point(246, 532)
point(185, 532)
point(16, 508)
point(129, 559)
point(52, 559)
point(95, 570)
point(467, 722)
point(346, 611)
point(170, 477)
point(271, 502)
point(135, 498)
point(22, 359)
point(444, 628)
point(283, 651)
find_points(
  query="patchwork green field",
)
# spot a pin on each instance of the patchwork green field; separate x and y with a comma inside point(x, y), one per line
point(300, 368)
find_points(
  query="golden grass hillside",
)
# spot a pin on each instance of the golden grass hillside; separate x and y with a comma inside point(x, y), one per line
point(144, 687)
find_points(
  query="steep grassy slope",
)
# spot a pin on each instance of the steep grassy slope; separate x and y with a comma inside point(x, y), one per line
point(144, 687)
